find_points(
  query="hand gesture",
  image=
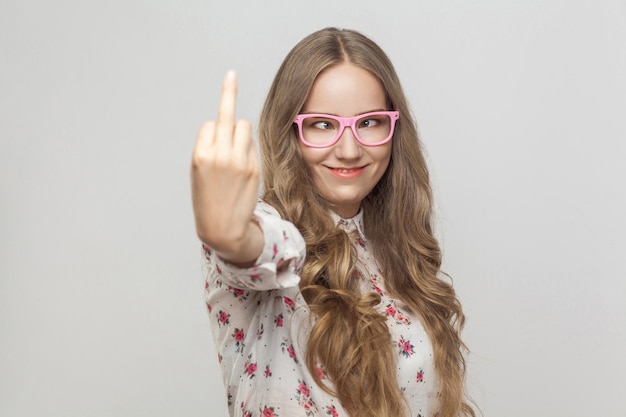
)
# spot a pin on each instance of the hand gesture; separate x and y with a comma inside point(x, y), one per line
point(225, 181)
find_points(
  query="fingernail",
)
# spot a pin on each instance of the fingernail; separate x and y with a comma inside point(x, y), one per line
point(231, 75)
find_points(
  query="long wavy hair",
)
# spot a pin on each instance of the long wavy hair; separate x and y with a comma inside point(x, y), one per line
point(349, 337)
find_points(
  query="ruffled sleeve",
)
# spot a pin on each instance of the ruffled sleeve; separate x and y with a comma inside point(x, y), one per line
point(279, 264)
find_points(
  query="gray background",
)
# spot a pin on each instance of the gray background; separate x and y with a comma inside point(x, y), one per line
point(521, 105)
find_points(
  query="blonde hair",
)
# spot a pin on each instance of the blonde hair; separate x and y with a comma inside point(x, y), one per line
point(398, 226)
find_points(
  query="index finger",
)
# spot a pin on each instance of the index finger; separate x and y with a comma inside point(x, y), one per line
point(226, 110)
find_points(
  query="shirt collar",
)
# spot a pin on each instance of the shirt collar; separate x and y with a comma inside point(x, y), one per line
point(351, 224)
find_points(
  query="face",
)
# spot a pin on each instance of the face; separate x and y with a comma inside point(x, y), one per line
point(347, 171)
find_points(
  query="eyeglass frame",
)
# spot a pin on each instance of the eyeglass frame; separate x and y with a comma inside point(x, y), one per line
point(350, 122)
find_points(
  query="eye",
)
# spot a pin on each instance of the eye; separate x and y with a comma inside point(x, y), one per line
point(322, 125)
point(371, 122)
point(319, 123)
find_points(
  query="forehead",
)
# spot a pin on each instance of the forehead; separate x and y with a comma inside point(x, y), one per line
point(345, 90)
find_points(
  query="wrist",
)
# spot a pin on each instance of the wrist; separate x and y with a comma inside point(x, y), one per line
point(244, 250)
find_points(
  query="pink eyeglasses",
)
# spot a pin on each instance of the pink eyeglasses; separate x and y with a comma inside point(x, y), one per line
point(323, 130)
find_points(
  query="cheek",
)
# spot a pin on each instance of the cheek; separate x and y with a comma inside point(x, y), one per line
point(383, 156)
point(312, 156)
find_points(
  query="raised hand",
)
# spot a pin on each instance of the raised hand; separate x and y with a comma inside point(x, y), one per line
point(225, 181)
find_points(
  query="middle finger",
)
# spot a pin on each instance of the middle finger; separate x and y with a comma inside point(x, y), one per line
point(226, 112)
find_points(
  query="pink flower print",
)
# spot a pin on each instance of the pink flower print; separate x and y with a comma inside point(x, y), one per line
point(223, 318)
point(247, 413)
point(303, 389)
point(289, 303)
point(402, 319)
point(279, 320)
point(320, 372)
point(274, 250)
point(304, 398)
point(420, 376)
point(218, 269)
point(250, 368)
point(219, 358)
point(405, 346)
point(268, 412)
point(255, 277)
point(238, 293)
point(238, 335)
point(392, 311)
point(292, 353)
point(268, 371)
point(360, 242)
point(285, 347)
point(209, 307)
point(377, 289)
point(332, 411)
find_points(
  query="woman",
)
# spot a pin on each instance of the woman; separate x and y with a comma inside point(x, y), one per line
point(325, 297)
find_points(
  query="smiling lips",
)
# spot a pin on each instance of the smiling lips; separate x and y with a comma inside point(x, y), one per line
point(347, 173)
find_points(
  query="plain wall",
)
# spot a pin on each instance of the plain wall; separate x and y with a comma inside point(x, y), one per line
point(521, 106)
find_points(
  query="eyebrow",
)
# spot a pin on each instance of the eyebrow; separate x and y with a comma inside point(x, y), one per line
point(336, 115)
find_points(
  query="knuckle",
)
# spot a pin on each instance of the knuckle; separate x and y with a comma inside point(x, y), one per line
point(199, 159)
point(207, 128)
point(244, 124)
point(239, 167)
point(255, 173)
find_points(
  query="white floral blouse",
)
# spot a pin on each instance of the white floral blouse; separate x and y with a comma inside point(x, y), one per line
point(260, 326)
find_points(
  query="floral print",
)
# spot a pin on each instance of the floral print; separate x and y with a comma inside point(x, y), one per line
point(289, 303)
point(319, 370)
point(392, 311)
point(268, 412)
point(259, 322)
point(238, 335)
point(303, 395)
point(278, 320)
point(290, 350)
point(223, 318)
point(420, 376)
point(332, 411)
point(238, 293)
point(405, 347)
point(250, 369)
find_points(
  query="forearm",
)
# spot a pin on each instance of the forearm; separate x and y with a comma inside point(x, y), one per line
point(244, 250)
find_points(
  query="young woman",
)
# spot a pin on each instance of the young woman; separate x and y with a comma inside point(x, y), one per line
point(325, 297)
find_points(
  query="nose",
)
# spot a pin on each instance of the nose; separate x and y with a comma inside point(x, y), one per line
point(348, 147)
